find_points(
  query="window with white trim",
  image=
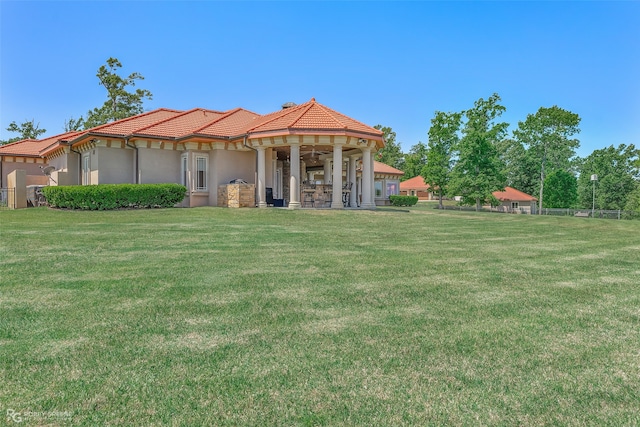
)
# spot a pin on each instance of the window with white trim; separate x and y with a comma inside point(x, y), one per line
point(378, 188)
point(514, 205)
point(393, 187)
point(202, 166)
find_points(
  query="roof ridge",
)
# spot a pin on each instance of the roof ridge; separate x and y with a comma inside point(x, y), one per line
point(330, 112)
point(351, 118)
point(165, 120)
point(311, 104)
point(216, 120)
point(126, 119)
point(278, 114)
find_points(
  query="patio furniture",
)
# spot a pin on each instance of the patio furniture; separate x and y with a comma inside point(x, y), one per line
point(346, 192)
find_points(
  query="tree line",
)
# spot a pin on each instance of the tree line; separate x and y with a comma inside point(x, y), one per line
point(470, 154)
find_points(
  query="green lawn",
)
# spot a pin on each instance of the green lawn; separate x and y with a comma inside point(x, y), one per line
point(406, 316)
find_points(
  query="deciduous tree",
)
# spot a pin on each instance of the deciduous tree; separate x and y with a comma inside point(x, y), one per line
point(391, 154)
point(443, 137)
point(478, 170)
point(415, 160)
point(618, 175)
point(547, 136)
point(560, 190)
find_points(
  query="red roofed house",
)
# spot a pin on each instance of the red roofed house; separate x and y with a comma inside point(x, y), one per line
point(512, 200)
point(416, 187)
point(205, 149)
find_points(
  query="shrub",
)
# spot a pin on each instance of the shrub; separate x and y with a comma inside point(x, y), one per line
point(399, 200)
point(114, 196)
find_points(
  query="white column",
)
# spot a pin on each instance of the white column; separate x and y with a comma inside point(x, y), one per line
point(373, 181)
point(294, 182)
point(336, 200)
point(353, 197)
point(367, 178)
point(262, 197)
point(327, 170)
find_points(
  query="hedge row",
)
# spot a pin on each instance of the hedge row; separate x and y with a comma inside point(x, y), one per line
point(114, 196)
point(398, 200)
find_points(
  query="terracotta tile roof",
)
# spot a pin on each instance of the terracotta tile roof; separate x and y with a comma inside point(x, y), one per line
point(173, 124)
point(511, 194)
point(179, 125)
point(383, 168)
point(131, 124)
point(233, 123)
point(25, 147)
point(307, 116)
point(415, 183)
point(35, 147)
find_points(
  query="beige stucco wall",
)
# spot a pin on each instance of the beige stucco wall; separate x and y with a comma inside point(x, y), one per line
point(506, 205)
point(158, 166)
point(69, 165)
point(29, 168)
point(114, 165)
point(226, 165)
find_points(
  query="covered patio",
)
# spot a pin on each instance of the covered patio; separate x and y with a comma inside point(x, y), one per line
point(314, 157)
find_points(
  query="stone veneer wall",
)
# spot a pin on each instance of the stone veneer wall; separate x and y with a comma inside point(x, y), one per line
point(237, 196)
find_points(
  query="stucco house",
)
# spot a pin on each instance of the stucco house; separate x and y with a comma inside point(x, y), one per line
point(512, 200)
point(279, 153)
point(416, 187)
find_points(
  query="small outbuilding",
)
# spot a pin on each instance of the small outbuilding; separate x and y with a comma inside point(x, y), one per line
point(515, 201)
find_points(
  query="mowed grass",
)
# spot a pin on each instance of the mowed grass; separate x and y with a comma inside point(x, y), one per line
point(216, 316)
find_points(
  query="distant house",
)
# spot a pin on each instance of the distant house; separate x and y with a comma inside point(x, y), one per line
point(512, 200)
point(416, 187)
point(277, 154)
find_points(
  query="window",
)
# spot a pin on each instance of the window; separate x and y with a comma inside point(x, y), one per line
point(86, 170)
point(378, 187)
point(392, 188)
point(201, 173)
point(514, 205)
point(184, 170)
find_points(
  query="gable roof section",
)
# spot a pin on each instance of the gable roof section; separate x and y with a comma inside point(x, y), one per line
point(511, 194)
point(233, 123)
point(132, 124)
point(180, 124)
point(35, 147)
point(415, 183)
point(382, 168)
point(24, 147)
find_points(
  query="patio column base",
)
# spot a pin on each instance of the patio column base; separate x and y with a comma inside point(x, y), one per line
point(295, 205)
point(262, 204)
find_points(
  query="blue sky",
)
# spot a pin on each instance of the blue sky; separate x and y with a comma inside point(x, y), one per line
point(390, 63)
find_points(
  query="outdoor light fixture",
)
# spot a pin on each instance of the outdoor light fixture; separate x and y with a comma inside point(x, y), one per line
point(594, 178)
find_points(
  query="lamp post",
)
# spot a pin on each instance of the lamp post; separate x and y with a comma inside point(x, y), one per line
point(594, 178)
